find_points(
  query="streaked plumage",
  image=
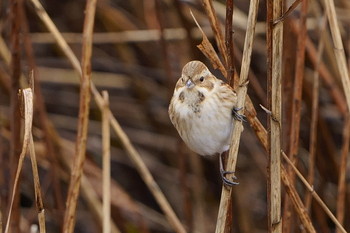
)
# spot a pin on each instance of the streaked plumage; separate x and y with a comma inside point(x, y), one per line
point(201, 110)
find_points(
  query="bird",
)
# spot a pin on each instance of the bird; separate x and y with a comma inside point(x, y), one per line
point(202, 110)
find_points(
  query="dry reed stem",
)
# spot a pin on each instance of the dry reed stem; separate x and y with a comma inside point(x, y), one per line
point(293, 144)
point(37, 188)
point(15, 118)
point(87, 190)
point(28, 119)
point(338, 49)
point(229, 43)
point(314, 118)
point(80, 149)
point(238, 128)
point(297, 202)
point(41, 112)
point(93, 202)
point(106, 165)
point(274, 183)
point(314, 194)
point(261, 133)
point(215, 25)
point(135, 156)
point(342, 172)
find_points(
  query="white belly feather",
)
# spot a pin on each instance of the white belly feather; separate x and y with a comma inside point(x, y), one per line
point(208, 131)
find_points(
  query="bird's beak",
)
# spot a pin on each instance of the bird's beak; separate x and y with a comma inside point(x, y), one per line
point(189, 83)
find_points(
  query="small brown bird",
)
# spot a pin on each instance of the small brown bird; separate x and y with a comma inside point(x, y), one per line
point(202, 109)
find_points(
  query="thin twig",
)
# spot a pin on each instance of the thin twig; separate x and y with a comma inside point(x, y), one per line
point(80, 149)
point(236, 134)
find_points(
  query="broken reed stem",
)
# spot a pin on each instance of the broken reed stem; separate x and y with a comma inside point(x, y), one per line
point(106, 164)
point(80, 149)
point(338, 49)
point(342, 172)
point(135, 156)
point(237, 130)
point(274, 183)
point(28, 119)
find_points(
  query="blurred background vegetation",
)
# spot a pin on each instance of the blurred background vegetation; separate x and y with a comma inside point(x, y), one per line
point(139, 49)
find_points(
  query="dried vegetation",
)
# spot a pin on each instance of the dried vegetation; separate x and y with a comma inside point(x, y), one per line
point(85, 87)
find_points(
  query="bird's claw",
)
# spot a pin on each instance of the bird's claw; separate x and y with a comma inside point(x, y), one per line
point(223, 173)
point(226, 180)
point(236, 115)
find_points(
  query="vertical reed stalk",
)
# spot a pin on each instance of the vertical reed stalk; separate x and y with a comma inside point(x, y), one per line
point(296, 110)
point(275, 41)
point(223, 215)
point(80, 149)
point(106, 163)
point(15, 119)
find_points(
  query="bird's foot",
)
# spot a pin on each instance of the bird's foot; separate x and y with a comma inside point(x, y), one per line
point(223, 173)
point(225, 180)
point(236, 115)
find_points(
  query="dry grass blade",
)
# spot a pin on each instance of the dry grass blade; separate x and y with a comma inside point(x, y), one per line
point(236, 134)
point(338, 49)
point(80, 149)
point(28, 119)
point(142, 169)
point(208, 50)
point(106, 157)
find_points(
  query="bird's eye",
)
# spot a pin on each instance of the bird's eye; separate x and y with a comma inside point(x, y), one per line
point(201, 79)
